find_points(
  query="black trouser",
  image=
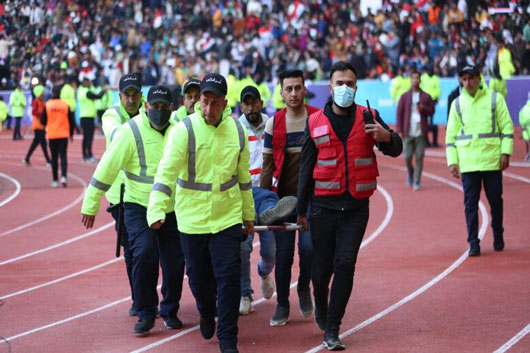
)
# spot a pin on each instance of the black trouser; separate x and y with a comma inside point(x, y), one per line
point(88, 135)
point(9, 118)
point(211, 259)
point(472, 184)
point(39, 139)
point(127, 254)
point(433, 128)
point(337, 237)
point(16, 131)
point(150, 247)
point(58, 147)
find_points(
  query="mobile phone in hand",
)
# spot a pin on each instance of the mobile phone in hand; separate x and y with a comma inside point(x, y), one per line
point(367, 114)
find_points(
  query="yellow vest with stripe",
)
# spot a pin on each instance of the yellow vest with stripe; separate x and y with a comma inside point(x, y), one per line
point(179, 114)
point(210, 167)
point(524, 121)
point(111, 121)
point(87, 106)
point(136, 149)
point(479, 130)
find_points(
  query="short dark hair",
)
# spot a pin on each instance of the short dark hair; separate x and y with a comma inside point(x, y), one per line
point(56, 91)
point(415, 72)
point(291, 74)
point(342, 66)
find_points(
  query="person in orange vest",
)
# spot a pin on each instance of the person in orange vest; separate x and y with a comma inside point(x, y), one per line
point(281, 161)
point(59, 122)
point(37, 107)
point(338, 174)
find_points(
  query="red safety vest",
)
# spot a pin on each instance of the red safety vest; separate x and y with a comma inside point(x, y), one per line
point(279, 143)
point(330, 170)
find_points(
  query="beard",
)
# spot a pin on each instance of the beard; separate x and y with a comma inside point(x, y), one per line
point(253, 117)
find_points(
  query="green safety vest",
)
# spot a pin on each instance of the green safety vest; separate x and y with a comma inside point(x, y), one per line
point(479, 130)
point(111, 121)
point(399, 86)
point(277, 99)
point(87, 106)
point(431, 86)
point(68, 95)
point(210, 166)
point(4, 111)
point(179, 114)
point(499, 85)
point(106, 101)
point(265, 93)
point(232, 91)
point(136, 149)
point(524, 121)
point(17, 102)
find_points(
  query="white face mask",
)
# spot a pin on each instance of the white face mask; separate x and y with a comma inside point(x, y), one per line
point(344, 96)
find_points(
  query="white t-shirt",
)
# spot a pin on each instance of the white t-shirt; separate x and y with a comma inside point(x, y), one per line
point(415, 118)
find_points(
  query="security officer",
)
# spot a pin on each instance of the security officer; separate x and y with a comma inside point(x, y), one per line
point(68, 93)
point(190, 95)
point(338, 171)
point(400, 85)
point(137, 148)
point(207, 157)
point(87, 110)
point(524, 121)
point(17, 102)
point(131, 99)
point(479, 143)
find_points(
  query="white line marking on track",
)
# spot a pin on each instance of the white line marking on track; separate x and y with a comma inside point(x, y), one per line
point(72, 275)
point(514, 340)
point(17, 189)
point(377, 232)
point(82, 236)
point(517, 177)
point(428, 285)
point(55, 213)
point(117, 302)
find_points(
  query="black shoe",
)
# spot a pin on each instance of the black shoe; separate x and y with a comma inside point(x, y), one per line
point(207, 327)
point(229, 348)
point(306, 303)
point(281, 316)
point(283, 208)
point(498, 244)
point(143, 326)
point(132, 311)
point(474, 249)
point(172, 322)
point(332, 342)
point(320, 317)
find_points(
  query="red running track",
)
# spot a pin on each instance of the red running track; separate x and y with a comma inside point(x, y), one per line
point(415, 289)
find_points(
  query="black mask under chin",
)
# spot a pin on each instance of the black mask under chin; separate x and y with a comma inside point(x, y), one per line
point(159, 117)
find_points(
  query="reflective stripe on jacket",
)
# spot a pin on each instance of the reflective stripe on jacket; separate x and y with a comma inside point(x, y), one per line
point(342, 166)
point(210, 167)
point(136, 149)
point(479, 130)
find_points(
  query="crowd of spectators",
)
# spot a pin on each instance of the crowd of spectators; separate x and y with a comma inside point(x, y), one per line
point(169, 41)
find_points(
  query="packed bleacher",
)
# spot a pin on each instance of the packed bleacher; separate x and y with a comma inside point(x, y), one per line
point(169, 41)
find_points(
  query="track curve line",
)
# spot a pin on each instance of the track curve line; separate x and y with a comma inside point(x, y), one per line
point(514, 340)
point(52, 214)
point(14, 194)
point(431, 283)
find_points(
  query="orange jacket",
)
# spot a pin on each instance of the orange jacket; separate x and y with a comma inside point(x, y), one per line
point(37, 106)
point(58, 125)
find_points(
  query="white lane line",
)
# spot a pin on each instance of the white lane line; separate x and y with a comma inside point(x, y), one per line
point(377, 232)
point(17, 189)
point(72, 275)
point(517, 177)
point(55, 246)
point(428, 285)
point(514, 340)
point(55, 213)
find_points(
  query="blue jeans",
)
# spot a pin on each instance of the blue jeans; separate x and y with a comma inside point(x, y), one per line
point(263, 200)
point(216, 259)
point(472, 184)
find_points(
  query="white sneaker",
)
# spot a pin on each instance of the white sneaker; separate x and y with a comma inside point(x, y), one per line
point(245, 306)
point(55, 184)
point(63, 181)
point(267, 286)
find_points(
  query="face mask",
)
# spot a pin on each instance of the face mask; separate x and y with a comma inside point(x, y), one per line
point(343, 96)
point(159, 117)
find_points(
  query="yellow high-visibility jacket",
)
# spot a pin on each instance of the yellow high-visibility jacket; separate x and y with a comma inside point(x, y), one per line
point(479, 130)
point(68, 95)
point(210, 167)
point(524, 121)
point(136, 149)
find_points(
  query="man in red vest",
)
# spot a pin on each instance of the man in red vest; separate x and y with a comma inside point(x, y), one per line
point(338, 172)
point(281, 161)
